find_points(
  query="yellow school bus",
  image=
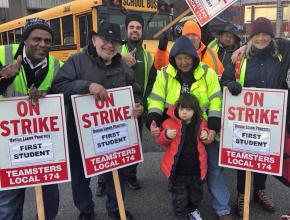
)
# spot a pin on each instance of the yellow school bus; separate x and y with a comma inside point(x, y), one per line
point(72, 22)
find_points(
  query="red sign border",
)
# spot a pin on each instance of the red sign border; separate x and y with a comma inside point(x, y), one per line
point(81, 140)
point(284, 92)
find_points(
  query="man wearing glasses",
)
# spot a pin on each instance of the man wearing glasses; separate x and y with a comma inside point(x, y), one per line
point(97, 68)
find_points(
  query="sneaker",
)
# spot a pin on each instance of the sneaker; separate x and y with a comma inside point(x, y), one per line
point(86, 216)
point(261, 197)
point(240, 204)
point(225, 217)
point(195, 215)
point(101, 189)
point(285, 217)
point(116, 215)
point(134, 184)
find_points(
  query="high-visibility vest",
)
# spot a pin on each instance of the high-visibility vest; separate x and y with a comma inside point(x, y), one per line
point(148, 62)
point(19, 85)
point(206, 89)
point(240, 69)
point(214, 45)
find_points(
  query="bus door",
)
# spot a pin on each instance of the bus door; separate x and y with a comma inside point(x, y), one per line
point(85, 27)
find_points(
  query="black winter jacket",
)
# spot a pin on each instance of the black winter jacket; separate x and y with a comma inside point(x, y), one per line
point(80, 70)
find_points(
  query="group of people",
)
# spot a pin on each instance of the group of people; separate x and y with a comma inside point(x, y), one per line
point(177, 94)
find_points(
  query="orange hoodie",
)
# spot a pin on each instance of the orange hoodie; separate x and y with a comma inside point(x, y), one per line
point(210, 58)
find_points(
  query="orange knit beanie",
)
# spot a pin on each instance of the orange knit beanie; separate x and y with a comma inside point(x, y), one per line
point(190, 27)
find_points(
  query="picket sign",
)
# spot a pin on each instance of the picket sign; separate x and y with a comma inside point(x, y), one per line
point(109, 135)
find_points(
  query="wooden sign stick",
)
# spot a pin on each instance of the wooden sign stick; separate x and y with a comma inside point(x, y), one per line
point(246, 212)
point(183, 14)
point(39, 203)
point(119, 194)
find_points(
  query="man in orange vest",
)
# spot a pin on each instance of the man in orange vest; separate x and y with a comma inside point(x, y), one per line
point(206, 55)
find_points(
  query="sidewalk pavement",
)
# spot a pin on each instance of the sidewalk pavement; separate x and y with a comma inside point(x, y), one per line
point(153, 201)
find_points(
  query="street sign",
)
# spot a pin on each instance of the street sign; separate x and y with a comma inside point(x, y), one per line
point(108, 133)
point(33, 142)
point(253, 126)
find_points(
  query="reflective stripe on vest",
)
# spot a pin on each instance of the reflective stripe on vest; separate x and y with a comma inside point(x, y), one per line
point(203, 108)
point(19, 85)
point(214, 45)
point(148, 62)
point(242, 70)
point(2, 55)
point(215, 62)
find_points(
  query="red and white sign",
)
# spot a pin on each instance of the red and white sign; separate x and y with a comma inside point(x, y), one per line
point(108, 133)
point(33, 142)
point(253, 126)
point(206, 10)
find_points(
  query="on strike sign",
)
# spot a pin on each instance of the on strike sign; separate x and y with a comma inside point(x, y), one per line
point(252, 135)
point(108, 133)
point(33, 142)
point(206, 10)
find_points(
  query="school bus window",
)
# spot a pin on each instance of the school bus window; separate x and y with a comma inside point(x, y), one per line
point(18, 35)
point(11, 37)
point(115, 16)
point(154, 24)
point(5, 38)
point(85, 28)
point(55, 26)
point(67, 30)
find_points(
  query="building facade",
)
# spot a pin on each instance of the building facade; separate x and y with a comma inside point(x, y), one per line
point(12, 9)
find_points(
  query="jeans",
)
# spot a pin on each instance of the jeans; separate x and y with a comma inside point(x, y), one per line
point(11, 203)
point(112, 203)
point(216, 181)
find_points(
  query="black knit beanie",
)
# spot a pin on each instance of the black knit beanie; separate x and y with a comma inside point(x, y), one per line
point(35, 23)
point(261, 25)
point(134, 17)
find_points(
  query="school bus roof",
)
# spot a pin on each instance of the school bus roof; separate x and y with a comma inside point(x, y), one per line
point(74, 7)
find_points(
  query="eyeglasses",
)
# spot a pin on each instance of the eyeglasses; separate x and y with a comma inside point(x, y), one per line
point(106, 41)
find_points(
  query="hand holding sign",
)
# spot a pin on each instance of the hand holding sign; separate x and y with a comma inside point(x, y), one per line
point(155, 131)
point(171, 133)
point(98, 91)
point(35, 94)
point(129, 58)
point(11, 70)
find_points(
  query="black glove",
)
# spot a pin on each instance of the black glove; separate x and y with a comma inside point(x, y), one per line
point(234, 87)
point(163, 41)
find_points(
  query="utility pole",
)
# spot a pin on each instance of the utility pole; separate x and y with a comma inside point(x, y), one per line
point(279, 18)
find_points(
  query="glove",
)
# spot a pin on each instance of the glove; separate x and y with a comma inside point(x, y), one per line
point(163, 41)
point(234, 87)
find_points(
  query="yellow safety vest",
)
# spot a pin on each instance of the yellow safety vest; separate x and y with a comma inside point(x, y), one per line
point(148, 62)
point(19, 85)
point(206, 88)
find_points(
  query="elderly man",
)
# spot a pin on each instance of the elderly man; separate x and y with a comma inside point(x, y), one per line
point(34, 68)
point(97, 68)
